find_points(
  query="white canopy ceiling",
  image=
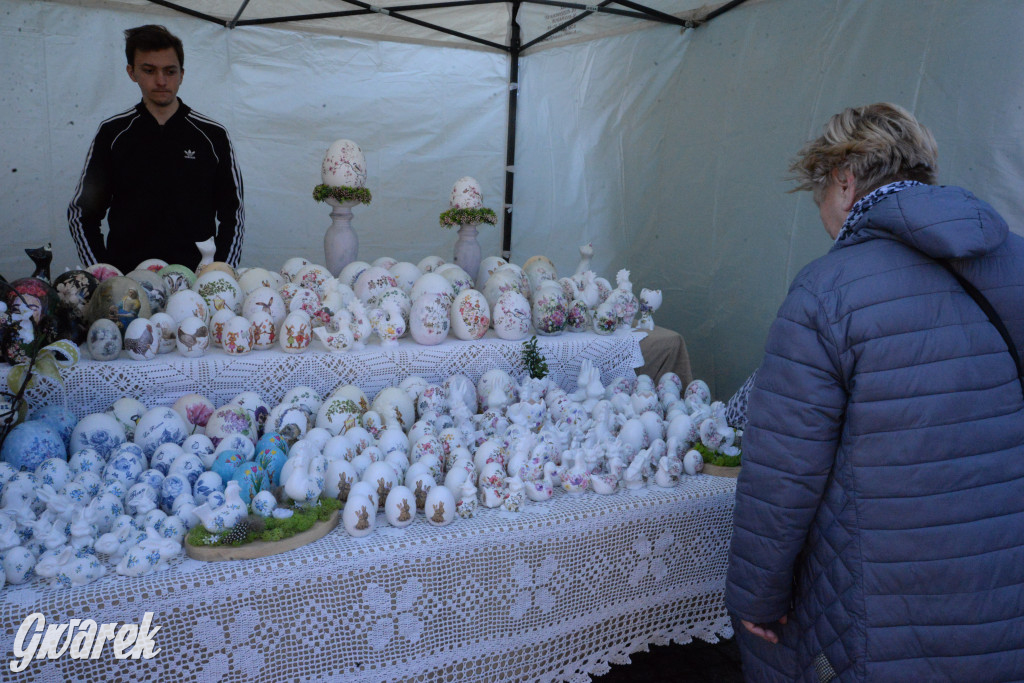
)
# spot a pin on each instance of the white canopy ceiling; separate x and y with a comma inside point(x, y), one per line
point(480, 24)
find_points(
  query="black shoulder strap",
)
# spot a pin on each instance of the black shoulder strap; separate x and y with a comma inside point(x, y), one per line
point(993, 317)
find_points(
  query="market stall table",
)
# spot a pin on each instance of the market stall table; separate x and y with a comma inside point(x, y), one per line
point(556, 592)
point(664, 351)
point(92, 386)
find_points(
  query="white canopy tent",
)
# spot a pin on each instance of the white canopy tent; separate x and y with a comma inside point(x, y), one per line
point(665, 147)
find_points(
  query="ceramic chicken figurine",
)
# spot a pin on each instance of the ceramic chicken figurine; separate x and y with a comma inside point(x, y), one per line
point(604, 483)
point(650, 301)
point(225, 516)
point(303, 484)
point(335, 340)
point(541, 489)
point(586, 254)
point(515, 496)
point(633, 478)
point(466, 505)
point(360, 324)
point(388, 323)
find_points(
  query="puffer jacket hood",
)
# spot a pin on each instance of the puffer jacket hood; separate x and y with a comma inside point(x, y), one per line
point(942, 222)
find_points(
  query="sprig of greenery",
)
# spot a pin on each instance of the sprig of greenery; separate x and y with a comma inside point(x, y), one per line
point(716, 458)
point(459, 216)
point(342, 193)
point(535, 363)
point(276, 529)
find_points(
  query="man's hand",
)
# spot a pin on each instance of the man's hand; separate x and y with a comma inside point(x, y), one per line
point(762, 632)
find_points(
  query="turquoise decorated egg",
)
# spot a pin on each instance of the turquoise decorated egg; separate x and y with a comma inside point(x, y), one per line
point(272, 440)
point(252, 479)
point(30, 443)
point(272, 459)
point(100, 431)
point(61, 419)
point(226, 464)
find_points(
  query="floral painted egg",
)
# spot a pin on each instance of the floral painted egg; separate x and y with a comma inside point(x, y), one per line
point(429, 264)
point(228, 420)
point(195, 410)
point(186, 303)
point(503, 280)
point(103, 271)
point(30, 443)
point(405, 274)
point(164, 456)
point(74, 289)
point(344, 165)
point(264, 330)
point(397, 296)
point(99, 431)
point(434, 284)
point(351, 272)
point(152, 264)
point(466, 194)
point(226, 463)
point(219, 290)
point(272, 459)
point(266, 300)
point(238, 336)
point(577, 316)
point(177, 277)
point(104, 340)
point(538, 269)
point(193, 337)
point(173, 486)
point(337, 415)
point(61, 419)
point(305, 300)
point(470, 315)
point(511, 315)
point(373, 281)
point(252, 479)
point(548, 312)
point(207, 483)
point(200, 444)
point(141, 339)
point(456, 276)
point(429, 319)
point(167, 331)
point(292, 266)
point(313, 276)
point(296, 332)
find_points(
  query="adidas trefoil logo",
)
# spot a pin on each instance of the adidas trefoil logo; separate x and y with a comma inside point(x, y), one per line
point(190, 154)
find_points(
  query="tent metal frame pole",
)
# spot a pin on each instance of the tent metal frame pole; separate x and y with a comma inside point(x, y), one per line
point(191, 12)
point(576, 5)
point(510, 141)
point(564, 25)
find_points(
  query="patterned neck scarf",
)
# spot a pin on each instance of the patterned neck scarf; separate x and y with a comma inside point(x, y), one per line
point(869, 200)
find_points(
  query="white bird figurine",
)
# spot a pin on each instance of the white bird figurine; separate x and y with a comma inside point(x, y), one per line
point(336, 340)
point(224, 516)
point(304, 483)
point(388, 323)
point(360, 325)
point(586, 253)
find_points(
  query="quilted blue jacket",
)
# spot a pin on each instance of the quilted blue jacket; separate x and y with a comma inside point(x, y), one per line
point(881, 501)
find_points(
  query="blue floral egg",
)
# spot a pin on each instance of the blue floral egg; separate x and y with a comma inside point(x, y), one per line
point(153, 477)
point(124, 468)
point(164, 456)
point(92, 483)
point(207, 483)
point(30, 443)
point(141, 499)
point(159, 426)
point(61, 419)
point(272, 440)
point(188, 466)
point(115, 488)
point(174, 485)
point(272, 460)
point(216, 499)
point(251, 479)
point(86, 460)
point(77, 492)
point(226, 464)
point(100, 431)
point(6, 472)
point(54, 472)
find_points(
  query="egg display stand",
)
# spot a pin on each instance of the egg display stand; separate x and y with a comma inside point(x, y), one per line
point(251, 551)
point(341, 244)
point(467, 249)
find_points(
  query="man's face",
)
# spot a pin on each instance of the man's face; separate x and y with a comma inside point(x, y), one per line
point(158, 74)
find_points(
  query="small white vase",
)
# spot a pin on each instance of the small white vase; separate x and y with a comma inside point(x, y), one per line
point(467, 250)
point(341, 244)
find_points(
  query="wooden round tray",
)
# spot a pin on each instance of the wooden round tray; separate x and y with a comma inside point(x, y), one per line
point(250, 551)
point(719, 471)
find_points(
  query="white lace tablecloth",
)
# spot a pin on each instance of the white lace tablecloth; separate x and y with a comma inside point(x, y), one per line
point(557, 592)
point(92, 386)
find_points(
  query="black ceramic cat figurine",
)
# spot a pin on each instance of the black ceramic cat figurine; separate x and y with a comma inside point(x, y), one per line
point(41, 256)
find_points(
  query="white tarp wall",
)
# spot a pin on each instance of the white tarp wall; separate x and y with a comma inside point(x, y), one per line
point(424, 117)
point(670, 152)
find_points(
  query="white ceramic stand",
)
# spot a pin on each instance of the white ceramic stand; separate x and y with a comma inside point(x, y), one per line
point(467, 250)
point(341, 244)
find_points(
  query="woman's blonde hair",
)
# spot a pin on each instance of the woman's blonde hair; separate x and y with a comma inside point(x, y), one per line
point(879, 143)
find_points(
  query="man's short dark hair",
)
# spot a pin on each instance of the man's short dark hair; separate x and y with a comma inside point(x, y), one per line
point(150, 38)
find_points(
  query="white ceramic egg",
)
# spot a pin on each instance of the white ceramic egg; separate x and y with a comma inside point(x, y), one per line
point(344, 165)
point(511, 315)
point(104, 340)
point(193, 337)
point(693, 462)
point(382, 477)
point(432, 283)
point(254, 278)
point(296, 332)
point(487, 268)
point(238, 336)
point(400, 507)
point(429, 264)
point(292, 266)
point(313, 276)
point(185, 303)
point(429, 319)
point(359, 516)
point(440, 506)
point(466, 194)
point(470, 315)
point(538, 269)
point(167, 329)
point(456, 276)
point(351, 272)
point(141, 339)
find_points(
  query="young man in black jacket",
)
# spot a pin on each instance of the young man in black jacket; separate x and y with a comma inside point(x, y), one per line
point(164, 175)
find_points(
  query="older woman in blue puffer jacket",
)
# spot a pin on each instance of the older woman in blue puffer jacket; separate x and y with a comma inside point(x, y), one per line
point(879, 525)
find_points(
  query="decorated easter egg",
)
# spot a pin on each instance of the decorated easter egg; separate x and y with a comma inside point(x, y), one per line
point(511, 315)
point(372, 282)
point(192, 337)
point(470, 315)
point(219, 290)
point(30, 443)
point(252, 479)
point(158, 426)
point(292, 266)
point(429, 319)
point(167, 330)
point(99, 431)
point(238, 336)
point(177, 277)
point(266, 300)
point(185, 303)
point(359, 516)
point(429, 264)
point(104, 340)
point(74, 289)
point(119, 299)
point(434, 284)
point(457, 277)
point(255, 278)
point(264, 329)
point(350, 273)
point(405, 274)
point(395, 407)
point(466, 194)
point(60, 418)
point(153, 286)
point(296, 332)
point(439, 506)
point(549, 309)
point(216, 326)
point(344, 165)
point(141, 339)
point(228, 420)
point(400, 507)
